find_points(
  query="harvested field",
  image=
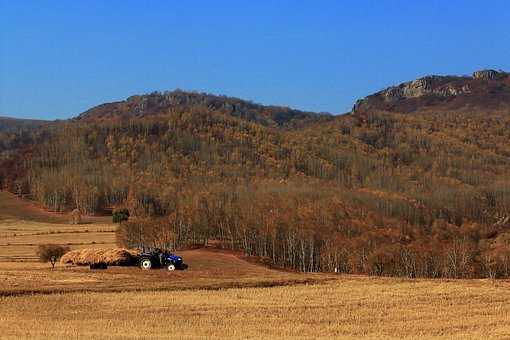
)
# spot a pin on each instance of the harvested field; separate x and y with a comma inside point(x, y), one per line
point(12, 228)
point(60, 238)
point(27, 252)
point(23, 227)
point(207, 270)
point(221, 295)
point(348, 308)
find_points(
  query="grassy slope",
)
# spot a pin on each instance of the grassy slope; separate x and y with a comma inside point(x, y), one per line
point(13, 208)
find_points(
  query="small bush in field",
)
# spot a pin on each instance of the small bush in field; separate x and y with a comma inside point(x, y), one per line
point(51, 253)
point(120, 215)
point(75, 217)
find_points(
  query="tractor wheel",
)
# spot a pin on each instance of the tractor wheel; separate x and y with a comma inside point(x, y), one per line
point(171, 267)
point(146, 264)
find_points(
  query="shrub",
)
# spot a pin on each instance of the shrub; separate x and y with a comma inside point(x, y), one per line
point(120, 215)
point(51, 253)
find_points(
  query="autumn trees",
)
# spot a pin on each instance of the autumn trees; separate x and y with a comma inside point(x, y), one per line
point(298, 226)
point(416, 195)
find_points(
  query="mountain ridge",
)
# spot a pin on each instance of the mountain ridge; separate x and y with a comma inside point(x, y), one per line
point(487, 88)
point(157, 104)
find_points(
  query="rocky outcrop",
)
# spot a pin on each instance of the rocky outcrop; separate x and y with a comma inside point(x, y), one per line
point(489, 75)
point(431, 89)
point(424, 86)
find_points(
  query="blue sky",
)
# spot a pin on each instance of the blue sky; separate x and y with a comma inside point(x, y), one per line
point(59, 58)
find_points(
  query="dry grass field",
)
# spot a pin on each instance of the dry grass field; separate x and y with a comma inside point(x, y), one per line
point(346, 308)
point(220, 295)
point(23, 227)
point(207, 270)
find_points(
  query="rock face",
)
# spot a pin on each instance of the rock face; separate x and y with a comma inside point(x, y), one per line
point(432, 90)
point(489, 75)
point(423, 86)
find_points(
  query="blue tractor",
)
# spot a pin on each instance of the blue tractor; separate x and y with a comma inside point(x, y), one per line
point(161, 259)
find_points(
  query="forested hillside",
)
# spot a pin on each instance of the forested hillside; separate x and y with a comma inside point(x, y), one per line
point(416, 183)
point(17, 138)
point(15, 133)
point(15, 124)
point(156, 104)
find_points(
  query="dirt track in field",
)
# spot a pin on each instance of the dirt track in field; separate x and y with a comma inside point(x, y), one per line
point(12, 207)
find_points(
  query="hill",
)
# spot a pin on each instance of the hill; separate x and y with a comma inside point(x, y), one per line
point(159, 105)
point(414, 182)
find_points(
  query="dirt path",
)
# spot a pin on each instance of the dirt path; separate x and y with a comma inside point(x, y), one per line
point(12, 206)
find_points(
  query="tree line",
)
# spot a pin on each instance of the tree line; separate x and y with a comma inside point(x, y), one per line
point(312, 228)
point(380, 193)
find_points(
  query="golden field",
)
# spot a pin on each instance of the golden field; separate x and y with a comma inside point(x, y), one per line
point(23, 227)
point(346, 308)
point(19, 239)
point(220, 295)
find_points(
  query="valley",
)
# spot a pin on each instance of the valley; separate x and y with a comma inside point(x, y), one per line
point(221, 294)
point(414, 182)
point(254, 170)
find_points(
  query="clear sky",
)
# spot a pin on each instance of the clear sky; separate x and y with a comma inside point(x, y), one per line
point(59, 58)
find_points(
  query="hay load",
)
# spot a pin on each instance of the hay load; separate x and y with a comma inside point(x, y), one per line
point(110, 257)
point(75, 217)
